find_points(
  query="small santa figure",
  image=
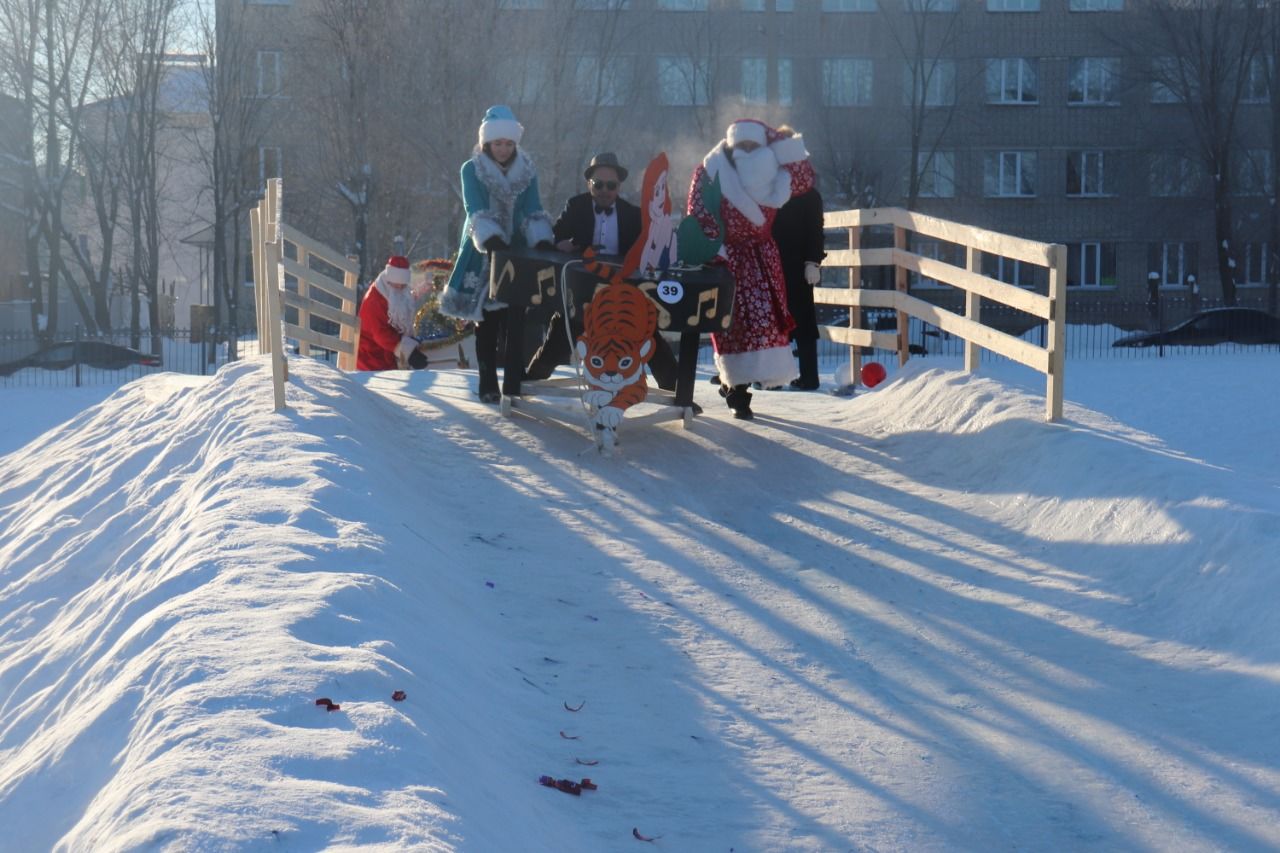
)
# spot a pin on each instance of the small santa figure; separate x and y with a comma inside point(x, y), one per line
point(386, 322)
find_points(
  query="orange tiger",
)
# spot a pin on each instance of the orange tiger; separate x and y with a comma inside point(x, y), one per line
point(616, 344)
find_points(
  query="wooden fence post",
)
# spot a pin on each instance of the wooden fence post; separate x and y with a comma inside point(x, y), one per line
point(972, 309)
point(1056, 343)
point(275, 279)
point(901, 283)
point(855, 311)
point(350, 333)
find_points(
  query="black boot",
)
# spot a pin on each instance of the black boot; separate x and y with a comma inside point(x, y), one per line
point(807, 352)
point(487, 358)
point(738, 398)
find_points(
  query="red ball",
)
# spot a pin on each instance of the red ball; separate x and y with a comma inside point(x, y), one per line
point(872, 374)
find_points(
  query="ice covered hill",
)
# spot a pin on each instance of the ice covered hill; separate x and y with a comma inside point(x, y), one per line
point(920, 619)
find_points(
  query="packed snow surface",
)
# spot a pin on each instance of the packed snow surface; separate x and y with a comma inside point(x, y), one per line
point(918, 619)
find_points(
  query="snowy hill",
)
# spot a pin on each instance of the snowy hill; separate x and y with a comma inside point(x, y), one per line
point(919, 619)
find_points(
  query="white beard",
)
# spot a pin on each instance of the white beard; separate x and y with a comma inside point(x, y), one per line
point(767, 183)
point(401, 306)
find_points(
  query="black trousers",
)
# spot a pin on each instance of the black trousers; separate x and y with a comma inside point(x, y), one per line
point(500, 338)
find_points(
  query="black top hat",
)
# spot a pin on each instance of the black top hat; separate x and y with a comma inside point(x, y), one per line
point(605, 158)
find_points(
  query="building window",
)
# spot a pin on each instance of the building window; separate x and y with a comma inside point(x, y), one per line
point(606, 84)
point(270, 73)
point(1013, 5)
point(602, 4)
point(1085, 173)
point(1091, 265)
point(755, 80)
point(683, 82)
point(270, 164)
point(1174, 175)
point(931, 86)
point(1013, 81)
point(1093, 80)
point(1009, 174)
point(846, 82)
point(1255, 263)
point(784, 5)
point(929, 5)
point(1096, 6)
point(849, 5)
point(1173, 262)
point(1012, 271)
point(683, 5)
point(1252, 172)
point(1256, 90)
point(937, 174)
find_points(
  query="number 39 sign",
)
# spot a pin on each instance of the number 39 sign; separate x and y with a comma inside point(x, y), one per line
point(670, 291)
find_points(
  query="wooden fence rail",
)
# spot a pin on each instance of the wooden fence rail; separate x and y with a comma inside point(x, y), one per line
point(270, 266)
point(1052, 308)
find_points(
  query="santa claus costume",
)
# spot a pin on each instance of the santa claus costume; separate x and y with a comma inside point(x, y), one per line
point(754, 184)
point(386, 319)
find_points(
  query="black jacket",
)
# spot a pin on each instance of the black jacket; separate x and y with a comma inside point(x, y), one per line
point(797, 229)
point(577, 222)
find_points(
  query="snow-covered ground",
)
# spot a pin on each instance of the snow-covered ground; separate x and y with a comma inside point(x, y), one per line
point(917, 619)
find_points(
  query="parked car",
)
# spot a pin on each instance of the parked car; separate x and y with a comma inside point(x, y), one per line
point(1215, 326)
point(89, 353)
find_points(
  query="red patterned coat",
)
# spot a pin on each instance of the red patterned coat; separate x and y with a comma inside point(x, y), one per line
point(756, 348)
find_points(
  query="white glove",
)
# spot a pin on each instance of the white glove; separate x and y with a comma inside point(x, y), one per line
point(406, 347)
point(812, 273)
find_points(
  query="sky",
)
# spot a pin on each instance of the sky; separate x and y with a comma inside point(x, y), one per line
point(920, 618)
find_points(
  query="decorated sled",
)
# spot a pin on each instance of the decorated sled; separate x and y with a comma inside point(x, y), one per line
point(619, 317)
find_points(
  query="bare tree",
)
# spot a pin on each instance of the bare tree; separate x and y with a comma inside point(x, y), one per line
point(926, 33)
point(1203, 50)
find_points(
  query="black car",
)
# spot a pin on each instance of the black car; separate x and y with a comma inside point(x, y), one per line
point(88, 353)
point(1215, 326)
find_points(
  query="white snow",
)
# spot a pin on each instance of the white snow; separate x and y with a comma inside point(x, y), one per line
point(918, 619)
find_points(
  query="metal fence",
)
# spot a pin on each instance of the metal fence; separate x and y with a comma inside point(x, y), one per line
point(75, 360)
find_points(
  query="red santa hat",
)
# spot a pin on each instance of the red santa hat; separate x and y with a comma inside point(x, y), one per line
point(747, 130)
point(397, 270)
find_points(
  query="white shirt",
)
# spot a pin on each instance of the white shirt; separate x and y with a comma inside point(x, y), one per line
point(606, 232)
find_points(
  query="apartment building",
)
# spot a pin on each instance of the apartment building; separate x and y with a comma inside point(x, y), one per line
point(1039, 118)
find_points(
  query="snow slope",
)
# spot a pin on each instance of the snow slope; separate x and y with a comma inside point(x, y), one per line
point(919, 619)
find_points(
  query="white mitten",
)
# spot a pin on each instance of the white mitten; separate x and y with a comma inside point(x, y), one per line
point(403, 349)
point(812, 273)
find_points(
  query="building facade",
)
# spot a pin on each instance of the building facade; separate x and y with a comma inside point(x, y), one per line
point(1044, 119)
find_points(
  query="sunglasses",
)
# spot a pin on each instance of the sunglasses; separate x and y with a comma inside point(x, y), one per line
point(597, 184)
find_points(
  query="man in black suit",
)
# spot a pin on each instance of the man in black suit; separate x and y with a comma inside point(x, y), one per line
point(598, 218)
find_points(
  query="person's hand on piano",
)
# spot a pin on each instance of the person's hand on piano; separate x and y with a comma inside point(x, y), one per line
point(495, 244)
point(566, 246)
point(545, 246)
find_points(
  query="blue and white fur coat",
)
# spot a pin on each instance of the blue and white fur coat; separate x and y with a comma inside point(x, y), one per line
point(505, 205)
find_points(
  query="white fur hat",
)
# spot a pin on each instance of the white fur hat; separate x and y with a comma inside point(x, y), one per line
point(747, 130)
point(500, 123)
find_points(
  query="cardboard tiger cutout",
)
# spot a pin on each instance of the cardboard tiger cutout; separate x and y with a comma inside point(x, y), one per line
point(616, 344)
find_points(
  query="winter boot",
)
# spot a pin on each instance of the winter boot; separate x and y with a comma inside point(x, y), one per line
point(738, 399)
point(807, 352)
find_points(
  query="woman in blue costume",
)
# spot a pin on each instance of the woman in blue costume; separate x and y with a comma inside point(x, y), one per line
point(500, 194)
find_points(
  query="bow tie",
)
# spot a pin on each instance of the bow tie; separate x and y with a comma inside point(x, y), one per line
point(607, 211)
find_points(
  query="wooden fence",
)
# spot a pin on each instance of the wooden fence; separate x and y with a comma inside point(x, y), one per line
point(1049, 359)
point(270, 266)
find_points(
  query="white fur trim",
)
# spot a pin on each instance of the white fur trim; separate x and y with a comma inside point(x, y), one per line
point(746, 131)
point(717, 163)
point(790, 150)
point(396, 275)
point(503, 128)
point(768, 184)
point(483, 226)
point(769, 367)
point(537, 228)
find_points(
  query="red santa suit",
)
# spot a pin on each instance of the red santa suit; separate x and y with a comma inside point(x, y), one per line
point(756, 348)
point(386, 317)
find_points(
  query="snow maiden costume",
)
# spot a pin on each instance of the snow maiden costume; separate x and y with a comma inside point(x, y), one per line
point(503, 209)
point(754, 184)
